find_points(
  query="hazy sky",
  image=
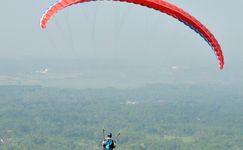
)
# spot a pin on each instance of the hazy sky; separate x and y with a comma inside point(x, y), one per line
point(112, 30)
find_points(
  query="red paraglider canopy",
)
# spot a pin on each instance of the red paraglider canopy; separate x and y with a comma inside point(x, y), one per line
point(160, 5)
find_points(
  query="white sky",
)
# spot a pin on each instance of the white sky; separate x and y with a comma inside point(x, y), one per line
point(122, 30)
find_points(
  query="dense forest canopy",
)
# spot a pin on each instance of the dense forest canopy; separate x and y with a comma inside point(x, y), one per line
point(168, 117)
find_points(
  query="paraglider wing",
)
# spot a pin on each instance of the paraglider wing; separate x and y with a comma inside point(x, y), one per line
point(160, 5)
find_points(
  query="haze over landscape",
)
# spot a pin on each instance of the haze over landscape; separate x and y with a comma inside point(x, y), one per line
point(123, 67)
point(117, 44)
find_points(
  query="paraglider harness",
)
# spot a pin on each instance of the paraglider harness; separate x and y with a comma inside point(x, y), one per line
point(108, 143)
